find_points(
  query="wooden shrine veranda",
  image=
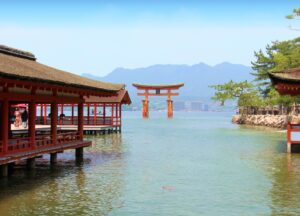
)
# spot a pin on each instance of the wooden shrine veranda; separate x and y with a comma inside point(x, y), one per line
point(48, 93)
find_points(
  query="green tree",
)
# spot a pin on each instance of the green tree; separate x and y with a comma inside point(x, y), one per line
point(280, 55)
point(296, 13)
point(244, 92)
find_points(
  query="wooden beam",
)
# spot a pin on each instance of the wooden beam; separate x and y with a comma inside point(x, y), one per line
point(39, 98)
point(161, 94)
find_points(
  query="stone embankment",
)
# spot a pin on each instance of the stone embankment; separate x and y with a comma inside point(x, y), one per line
point(276, 121)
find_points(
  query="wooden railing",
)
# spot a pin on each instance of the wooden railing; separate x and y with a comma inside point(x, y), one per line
point(67, 137)
point(24, 144)
point(44, 141)
point(18, 145)
point(69, 120)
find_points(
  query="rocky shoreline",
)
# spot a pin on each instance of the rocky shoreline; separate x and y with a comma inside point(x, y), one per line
point(275, 121)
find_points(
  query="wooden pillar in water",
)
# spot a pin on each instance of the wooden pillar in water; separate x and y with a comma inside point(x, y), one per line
point(289, 140)
point(170, 108)
point(145, 109)
point(53, 158)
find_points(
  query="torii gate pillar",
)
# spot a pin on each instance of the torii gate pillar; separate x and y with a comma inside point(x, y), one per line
point(158, 90)
point(170, 108)
point(145, 109)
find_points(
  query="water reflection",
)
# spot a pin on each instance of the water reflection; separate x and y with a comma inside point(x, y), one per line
point(93, 188)
point(285, 191)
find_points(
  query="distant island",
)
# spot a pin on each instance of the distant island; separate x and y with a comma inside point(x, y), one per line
point(195, 95)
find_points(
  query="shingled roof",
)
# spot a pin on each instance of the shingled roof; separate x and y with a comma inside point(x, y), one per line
point(288, 76)
point(122, 97)
point(22, 65)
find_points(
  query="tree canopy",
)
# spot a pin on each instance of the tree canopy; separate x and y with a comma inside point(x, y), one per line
point(280, 55)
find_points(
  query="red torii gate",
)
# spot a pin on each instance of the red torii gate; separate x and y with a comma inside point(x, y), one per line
point(157, 90)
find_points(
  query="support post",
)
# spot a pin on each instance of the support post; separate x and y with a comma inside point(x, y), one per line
point(95, 114)
point(80, 120)
point(53, 158)
point(104, 113)
point(4, 170)
point(45, 114)
point(41, 114)
point(5, 125)
point(145, 108)
point(54, 113)
point(289, 140)
point(170, 108)
point(88, 113)
point(79, 154)
point(31, 123)
point(72, 114)
point(30, 163)
point(120, 114)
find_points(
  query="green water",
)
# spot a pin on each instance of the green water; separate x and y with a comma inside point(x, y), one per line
point(195, 164)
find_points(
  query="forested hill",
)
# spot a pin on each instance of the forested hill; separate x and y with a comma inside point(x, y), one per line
point(196, 77)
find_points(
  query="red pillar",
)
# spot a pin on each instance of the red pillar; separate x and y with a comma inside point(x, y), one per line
point(170, 108)
point(41, 113)
point(5, 125)
point(120, 113)
point(88, 113)
point(54, 113)
point(72, 114)
point(31, 123)
point(112, 114)
point(45, 114)
point(80, 120)
point(104, 113)
point(117, 114)
point(145, 108)
point(95, 114)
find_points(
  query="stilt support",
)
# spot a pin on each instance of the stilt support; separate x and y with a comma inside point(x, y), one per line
point(170, 108)
point(145, 109)
point(30, 163)
point(53, 158)
point(79, 154)
point(4, 170)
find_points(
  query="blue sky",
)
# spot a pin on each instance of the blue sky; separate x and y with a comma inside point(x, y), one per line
point(98, 36)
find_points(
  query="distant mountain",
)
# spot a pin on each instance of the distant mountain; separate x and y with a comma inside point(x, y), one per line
point(196, 77)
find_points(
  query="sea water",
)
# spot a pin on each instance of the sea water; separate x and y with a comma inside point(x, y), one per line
point(194, 164)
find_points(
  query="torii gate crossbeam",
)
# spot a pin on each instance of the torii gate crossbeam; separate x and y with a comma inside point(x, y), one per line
point(157, 90)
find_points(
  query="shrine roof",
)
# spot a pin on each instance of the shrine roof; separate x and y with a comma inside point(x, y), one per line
point(286, 76)
point(22, 65)
point(122, 97)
